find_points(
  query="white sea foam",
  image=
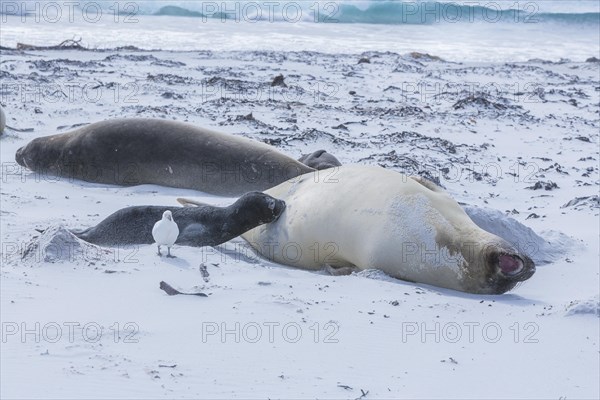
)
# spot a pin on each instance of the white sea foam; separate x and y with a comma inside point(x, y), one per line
point(546, 32)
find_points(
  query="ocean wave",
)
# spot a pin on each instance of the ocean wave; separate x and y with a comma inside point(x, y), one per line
point(366, 11)
point(177, 12)
point(374, 12)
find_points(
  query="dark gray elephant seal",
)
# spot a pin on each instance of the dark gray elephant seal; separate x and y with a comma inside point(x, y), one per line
point(320, 159)
point(198, 226)
point(138, 151)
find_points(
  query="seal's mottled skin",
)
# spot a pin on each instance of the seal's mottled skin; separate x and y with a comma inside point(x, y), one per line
point(369, 217)
point(204, 225)
point(140, 151)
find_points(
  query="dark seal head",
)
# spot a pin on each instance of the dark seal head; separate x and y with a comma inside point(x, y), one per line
point(258, 207)
point(494, 267)
point(320, 159)
point(38, 155)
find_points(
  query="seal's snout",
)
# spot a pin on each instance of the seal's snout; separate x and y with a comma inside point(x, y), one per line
point(262, 206)
point(506, 267)
point(19, 157)
point(278, 209)
point(514, 267)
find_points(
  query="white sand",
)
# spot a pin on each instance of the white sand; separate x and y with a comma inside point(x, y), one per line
point(390, 338)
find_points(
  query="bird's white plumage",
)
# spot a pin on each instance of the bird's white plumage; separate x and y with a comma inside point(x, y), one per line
point(165, 231)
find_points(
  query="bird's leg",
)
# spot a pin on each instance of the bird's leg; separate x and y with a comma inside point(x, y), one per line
point(159, 253)
point(169, 253)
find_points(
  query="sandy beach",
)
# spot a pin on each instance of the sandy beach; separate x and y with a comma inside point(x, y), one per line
point(490, 133)
point(517, 136)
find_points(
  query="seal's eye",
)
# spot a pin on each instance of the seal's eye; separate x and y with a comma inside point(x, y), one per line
point(510, 265)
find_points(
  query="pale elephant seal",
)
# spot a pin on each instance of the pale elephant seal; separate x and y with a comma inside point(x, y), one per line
point(137, 151)
point(320, 159)
point(369, 217)
point(2, 120)
point(198, 226)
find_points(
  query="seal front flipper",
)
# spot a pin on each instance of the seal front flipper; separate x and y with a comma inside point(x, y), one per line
point(320, 160)
point(197, 235)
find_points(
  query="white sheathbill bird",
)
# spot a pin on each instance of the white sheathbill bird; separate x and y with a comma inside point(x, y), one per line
point(165, 232)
